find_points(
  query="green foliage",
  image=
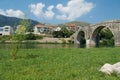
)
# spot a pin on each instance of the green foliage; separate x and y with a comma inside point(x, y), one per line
point(70, 41)
point(57, 34)
point(63, 33)
point(19, 36)
point(5, 37)
point(106, 34)
point(58, 64)
point(30, 36)
point(63, 41)
point(38, 37)
point(106, 37)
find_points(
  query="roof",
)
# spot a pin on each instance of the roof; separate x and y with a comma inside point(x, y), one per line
point(39, 25)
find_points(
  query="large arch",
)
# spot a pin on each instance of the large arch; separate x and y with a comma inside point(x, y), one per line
point(81, 38)
point(95, 38)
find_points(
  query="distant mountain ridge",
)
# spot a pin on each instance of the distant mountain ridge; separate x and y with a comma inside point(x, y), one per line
point(13, 21)
point(77, 23)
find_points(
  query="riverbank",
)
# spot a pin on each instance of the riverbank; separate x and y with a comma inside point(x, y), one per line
point(46, 40)
point(53, 40)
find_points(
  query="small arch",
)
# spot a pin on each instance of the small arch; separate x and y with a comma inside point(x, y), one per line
point(81, 39)
point(97, 37)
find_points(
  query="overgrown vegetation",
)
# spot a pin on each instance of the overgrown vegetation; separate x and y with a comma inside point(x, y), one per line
point(106, 38)
point(58, 64)
point(63, 33)
point(29, 36)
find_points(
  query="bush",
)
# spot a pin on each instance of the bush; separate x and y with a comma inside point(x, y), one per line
point(19, 37)
point(6, 37)
point(63, 41)
point(39, 37)
point(106, 38)
point(63, 33)
point(30, 36)
point(70, 41)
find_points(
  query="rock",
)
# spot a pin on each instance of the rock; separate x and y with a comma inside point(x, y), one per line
point(117, 71)
point(116, 68)
point(107, 69)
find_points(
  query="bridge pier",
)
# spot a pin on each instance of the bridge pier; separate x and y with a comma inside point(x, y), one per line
point(117, 44)
point(88, 43)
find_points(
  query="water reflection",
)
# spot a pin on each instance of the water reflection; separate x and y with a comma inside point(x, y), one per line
point(36, 45)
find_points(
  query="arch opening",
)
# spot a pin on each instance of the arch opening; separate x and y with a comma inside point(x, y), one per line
point(81, 39)
point(103, 37)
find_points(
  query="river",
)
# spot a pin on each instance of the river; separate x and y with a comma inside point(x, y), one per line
point(38, 45)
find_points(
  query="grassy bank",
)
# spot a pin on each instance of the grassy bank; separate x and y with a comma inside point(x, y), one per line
point(57, 64)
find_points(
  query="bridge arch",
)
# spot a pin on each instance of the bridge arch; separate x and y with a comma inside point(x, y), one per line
point(95, 37)
point(81, 38)
point(92, 31)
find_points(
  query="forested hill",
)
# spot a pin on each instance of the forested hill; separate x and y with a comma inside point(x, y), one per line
point(13, 21)
point(77, 23)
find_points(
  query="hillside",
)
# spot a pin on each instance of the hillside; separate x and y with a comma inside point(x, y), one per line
point(77, 23)
point(13, 21)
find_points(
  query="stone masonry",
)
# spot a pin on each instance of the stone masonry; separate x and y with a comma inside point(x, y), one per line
point(91, 32)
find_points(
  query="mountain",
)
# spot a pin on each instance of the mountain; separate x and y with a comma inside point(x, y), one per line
point(13, 21)
point(77, 23)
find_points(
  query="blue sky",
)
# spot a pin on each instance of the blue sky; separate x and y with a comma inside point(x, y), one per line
point(61, 11)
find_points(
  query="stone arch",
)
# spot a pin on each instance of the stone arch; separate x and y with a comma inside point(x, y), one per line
point(81, 38)
point(95, 37)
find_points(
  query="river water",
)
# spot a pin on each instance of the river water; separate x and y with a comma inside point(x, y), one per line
point(37, 45)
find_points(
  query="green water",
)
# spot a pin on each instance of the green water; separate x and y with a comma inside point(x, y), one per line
point(37, 45)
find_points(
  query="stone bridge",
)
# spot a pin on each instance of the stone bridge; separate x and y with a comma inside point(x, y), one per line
point(92, 31)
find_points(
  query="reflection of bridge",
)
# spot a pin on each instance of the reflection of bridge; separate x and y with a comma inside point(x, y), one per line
point(91, 32)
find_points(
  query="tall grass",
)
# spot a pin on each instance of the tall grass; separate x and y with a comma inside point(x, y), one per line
point(57, 64)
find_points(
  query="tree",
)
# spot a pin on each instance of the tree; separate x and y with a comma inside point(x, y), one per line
point(63, 33)
point(106, 37)
point(19, 36)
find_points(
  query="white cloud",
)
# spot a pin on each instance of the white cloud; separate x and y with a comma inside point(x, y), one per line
point(37, 10)
point(74, 9)
point(2, 12)
point(49, 14)
point(12, 13)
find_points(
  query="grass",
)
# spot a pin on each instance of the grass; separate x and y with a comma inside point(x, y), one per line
point(57, 64)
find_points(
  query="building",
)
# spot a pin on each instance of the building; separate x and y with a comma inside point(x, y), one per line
point(6, 30)
point(51, 28)
point(39, 29)
point(71, 27)
point(44, 29)
point(57, 29)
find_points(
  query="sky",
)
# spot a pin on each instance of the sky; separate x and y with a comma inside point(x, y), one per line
point(61, 11)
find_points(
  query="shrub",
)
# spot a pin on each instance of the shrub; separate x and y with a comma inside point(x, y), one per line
point(30, 36)
point(63, 41)
point(39, 37)
point(70, 41)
